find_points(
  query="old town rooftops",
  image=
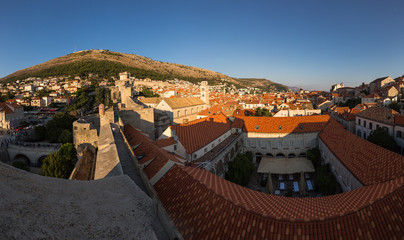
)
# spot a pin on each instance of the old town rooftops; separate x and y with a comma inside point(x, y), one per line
point(368, 162)
point(300, 124)
point(384, 115)
point(205, 206)
point(199, 133)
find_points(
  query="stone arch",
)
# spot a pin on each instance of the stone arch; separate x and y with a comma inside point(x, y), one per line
point(22, 157)
point(291, 155)
point(280, 155)
point(219, 166)
point(258, 157)
point(303, 154)
point(226, 158)
point(269, 155)
point(40, 160)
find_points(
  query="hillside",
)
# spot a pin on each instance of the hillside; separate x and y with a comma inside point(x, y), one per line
point(106, 63)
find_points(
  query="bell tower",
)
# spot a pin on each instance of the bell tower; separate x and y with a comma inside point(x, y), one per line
point(205, 92)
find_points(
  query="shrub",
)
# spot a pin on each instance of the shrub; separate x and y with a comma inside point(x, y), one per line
point(325, 180)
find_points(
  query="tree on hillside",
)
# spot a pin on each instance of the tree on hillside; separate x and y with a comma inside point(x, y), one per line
point(240, 170)
point(382, 138)
point(60, 164)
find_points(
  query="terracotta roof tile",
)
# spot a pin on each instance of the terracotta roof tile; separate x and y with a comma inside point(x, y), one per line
point(197, 134)
point(368, 162)
point(165, 142)
point(200, 203)
point(143, 146)
point(385, 115)
point(300, 124)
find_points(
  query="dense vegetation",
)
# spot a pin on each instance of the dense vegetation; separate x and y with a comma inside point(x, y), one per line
point(267, 85)
point(262, 112)
point(351, 103)
point(60, 164)
point(147, 92)
point(314, 156)
point(240, 169)
point(59, 129)
point(105, 69)
point(382, 138)
point(102, 96)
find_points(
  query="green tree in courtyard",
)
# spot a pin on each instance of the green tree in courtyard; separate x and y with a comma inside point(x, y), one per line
point(382, 138)
point(314, 155)
point(60, 164)
point(66, 137)
point(325, 180)
point(240, 170)
point(55, 127)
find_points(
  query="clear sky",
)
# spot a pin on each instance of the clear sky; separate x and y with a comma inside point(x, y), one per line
point(303, 43)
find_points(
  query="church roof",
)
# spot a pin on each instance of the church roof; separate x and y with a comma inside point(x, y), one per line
point(176, 103)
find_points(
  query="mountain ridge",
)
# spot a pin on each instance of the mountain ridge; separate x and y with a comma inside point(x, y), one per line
point(107, 63)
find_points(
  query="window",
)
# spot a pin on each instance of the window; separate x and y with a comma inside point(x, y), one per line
point(377, 126)
point(280, 145)
point(291, 144)
point(178, 114)
point(220, 140)
point(258, 143)
point(75, 127)
point(302, 144)
point(175, 147)
point(268, 144)
point(248, 143)
point(371, 125)
point(206, 149)
point(213, 145)
point(192, 110)
point(197, 109)
point(359, 122)
point(364, 123)
point(185, 112)
point(386, 129)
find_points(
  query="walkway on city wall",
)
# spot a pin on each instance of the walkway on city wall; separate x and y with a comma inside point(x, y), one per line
point(37, 207)
point(285, 165)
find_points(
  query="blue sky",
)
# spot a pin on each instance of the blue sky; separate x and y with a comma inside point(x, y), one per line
point(309, 44)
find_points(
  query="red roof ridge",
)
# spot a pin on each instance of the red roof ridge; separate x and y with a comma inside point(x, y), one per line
point(294, 209)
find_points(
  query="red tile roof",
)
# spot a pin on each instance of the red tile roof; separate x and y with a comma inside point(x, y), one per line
point(165, 142)
point(368, 162)
point(204, 206)
point(385, 115)
point(199, 133)
point(150, 151)
point(300, 124)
